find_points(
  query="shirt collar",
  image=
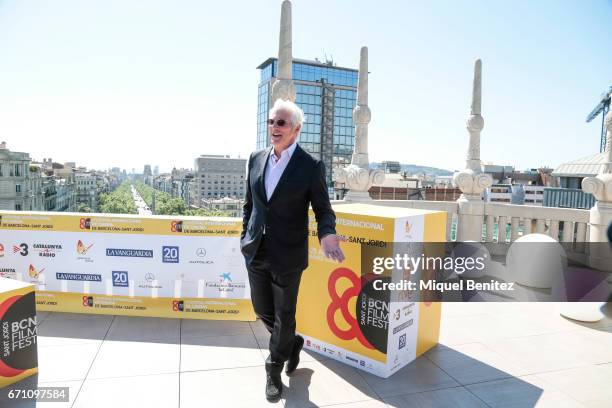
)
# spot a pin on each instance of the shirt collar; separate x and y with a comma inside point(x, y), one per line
point(288, 151)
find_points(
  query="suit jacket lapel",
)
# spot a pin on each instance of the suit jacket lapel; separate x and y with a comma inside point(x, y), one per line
point(262, 174)
point(293, 162)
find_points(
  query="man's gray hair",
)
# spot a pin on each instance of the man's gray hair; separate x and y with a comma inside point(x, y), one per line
point(297, 115)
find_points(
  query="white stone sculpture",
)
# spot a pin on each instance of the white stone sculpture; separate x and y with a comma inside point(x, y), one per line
point(601, 214)
point(357, 176)
point(472, 181)
point(283, 86)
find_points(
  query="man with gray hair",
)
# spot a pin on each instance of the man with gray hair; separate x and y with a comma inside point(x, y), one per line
point(282, 182)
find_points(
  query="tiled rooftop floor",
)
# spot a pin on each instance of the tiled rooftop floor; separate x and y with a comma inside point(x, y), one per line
point(490, 354)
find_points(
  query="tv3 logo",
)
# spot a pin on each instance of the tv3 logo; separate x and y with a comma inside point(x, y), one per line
point(22, 249)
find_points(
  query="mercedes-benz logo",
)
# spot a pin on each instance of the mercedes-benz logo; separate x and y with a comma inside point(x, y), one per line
point(149, 277)
point(201, 252)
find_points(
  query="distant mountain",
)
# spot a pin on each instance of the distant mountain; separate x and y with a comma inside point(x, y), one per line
point(413, 169)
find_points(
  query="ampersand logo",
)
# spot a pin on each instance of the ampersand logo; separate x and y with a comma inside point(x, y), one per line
point(341, 302)
point(85, 223)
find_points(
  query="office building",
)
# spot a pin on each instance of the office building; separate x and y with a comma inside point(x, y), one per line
point(327, 94)
point(219, 176)
point(20, 188)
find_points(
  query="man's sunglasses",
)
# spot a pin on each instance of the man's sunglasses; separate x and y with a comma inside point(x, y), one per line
point(279, 122)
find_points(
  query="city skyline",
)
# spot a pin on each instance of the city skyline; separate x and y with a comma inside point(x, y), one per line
point(165, 84)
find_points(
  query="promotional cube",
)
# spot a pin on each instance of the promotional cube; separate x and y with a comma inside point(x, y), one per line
point(343, 312)
point(19, 356)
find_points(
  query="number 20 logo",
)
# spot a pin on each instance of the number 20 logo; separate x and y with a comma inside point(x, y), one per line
point(170, 254)
point(120, 278)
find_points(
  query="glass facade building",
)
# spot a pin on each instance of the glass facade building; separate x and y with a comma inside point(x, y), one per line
point(327, 94)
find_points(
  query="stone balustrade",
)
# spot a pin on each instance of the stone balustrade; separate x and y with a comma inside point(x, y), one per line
point(562, 224)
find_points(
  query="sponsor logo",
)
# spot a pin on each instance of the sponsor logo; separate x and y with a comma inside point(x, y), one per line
point(149, 278)
point(408, 230)
point(397, 314)
point(1, 250)
point(201, 254)
point(362, 363)
point(21, 249)
point(34, 273)
point(133, 253)
point(18, 335)
point(81, 248)
point(307, 343)
point(402, 326)
point(89, 277)
point(178, 305)
point(402, 341)
point(88, 301)
point(395, 363)
point(170, 254)
point(8, 273)
point(120, 279)
point(354, 360)
point(407, 309)
point(85, 223)
point(225, 283)
point(47, 250)
point(340, 302)
point(176, 226)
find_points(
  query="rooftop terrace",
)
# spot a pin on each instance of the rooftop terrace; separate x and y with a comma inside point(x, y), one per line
point(490, 355)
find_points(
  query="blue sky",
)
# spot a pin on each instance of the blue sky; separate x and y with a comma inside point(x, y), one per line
point(124, 83)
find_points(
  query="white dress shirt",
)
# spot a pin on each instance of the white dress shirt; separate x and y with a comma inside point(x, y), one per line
point(276, 167)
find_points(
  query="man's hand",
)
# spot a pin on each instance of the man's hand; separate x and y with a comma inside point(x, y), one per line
point(331, 247)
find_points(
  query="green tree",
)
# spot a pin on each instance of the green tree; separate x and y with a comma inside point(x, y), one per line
point(171, 206)
point(120, 201)
point(83, 208)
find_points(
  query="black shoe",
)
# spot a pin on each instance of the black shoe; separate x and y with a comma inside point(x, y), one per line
point(294, 358)
point(274, 384)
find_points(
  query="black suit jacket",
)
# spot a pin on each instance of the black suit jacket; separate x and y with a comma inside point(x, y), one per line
point(285, 215)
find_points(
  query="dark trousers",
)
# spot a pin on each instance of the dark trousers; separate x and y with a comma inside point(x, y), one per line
point(274, 296)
